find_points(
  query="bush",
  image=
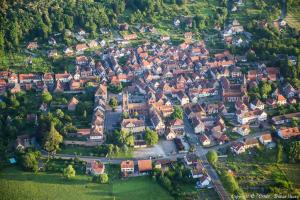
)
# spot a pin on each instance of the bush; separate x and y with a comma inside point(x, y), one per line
point(103, 178)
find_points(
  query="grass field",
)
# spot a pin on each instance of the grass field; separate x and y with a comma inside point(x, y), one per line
point(293, 17)
point(15, 184)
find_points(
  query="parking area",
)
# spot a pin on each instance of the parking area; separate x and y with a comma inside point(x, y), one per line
point(112, 120)
point(163, 148)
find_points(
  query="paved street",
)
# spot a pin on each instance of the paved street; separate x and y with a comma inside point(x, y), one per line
point(193, 138)
point(108, 160)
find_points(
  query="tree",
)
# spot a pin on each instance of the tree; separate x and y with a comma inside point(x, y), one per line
point(177, 113)
point(230, 183)
point(69, 172)
point(29, 161)
point(46, 97)
point(294, 151)
point(265, 89)
point(192, 148)
point(294, 122)
point(212, 157)
point(151, 137)
point(103, 178)
point(110, 149)
point(125, 115)
point(113, 102)
point(59, 113)
point(135, 114)
point(52, 140)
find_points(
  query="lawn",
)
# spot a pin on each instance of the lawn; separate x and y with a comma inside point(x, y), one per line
point(293, 17)
point(78, 150)
point(16, 184)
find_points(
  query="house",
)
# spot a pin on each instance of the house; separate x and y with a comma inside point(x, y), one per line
point(191, 159)
point(188, 37)
point(170, 134)
point(83, 132)
point(197, 170)
point(257, 104)
point(265, 138)
point(250, 143)
point(123, 27)
point(75, 85)
point(81, 60)
point(164, 165)
point(157, 122)
point(238, 147)
point(204, 140)
point(176, 22)
point(68, 51)
point(176, 124)
point(287, 133)
point(144, 166)
point(133, 125)
point(198, 125)
point(130, 37)
point(13, 78)
point(282, 119)
point(81, 48)
point(48, 78)
point(59, 87)
point(204, 181)
point(252, 116)
point(16, 88)
point(93, 43)
point(72, 104)
point(183, 98)
point(289, 91)
point(95, 168)
point(243, 130)
point(64, 78)
point(164, 38)
point(24, 142)
point(32, 45)
point(51, 41)
point(281, 100)
point(29, 78)
point(127, 166)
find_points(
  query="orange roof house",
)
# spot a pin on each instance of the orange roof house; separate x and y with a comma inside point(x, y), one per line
point(144, 165)
point(281, 100)
point(287, 133)
point(95, 168)
point(127, 166)
point(81, 47)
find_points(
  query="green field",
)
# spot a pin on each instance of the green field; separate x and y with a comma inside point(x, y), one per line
point(293, 17)
point(15, 184)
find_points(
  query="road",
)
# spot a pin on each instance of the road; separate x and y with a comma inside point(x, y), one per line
point(192, 139)
point(107, 160)
point(201, 153)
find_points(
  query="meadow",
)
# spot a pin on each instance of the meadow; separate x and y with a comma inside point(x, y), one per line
point(293, 17)
point(16, 184)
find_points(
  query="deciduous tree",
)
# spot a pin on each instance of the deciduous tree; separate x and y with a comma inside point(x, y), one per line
point(69, 172)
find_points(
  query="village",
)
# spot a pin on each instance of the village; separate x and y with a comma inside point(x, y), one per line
point(194, 101)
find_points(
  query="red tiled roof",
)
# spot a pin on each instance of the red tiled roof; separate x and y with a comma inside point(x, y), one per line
point(145, 165)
